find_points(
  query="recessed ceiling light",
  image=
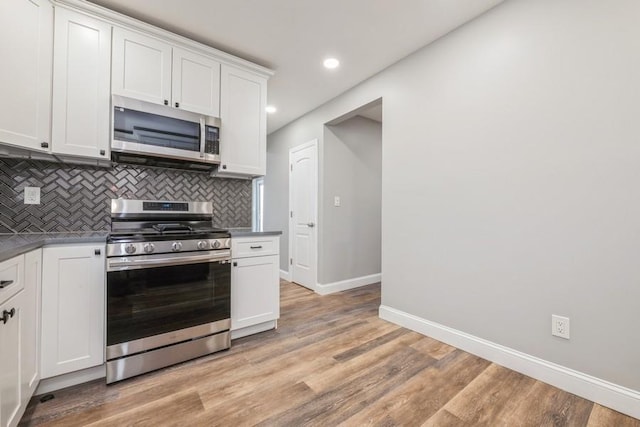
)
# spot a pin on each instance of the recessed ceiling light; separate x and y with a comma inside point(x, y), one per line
point(270, 109)
point(331, 63)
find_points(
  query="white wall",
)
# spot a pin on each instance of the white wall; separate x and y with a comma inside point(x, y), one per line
point(350, 241)
point(510, 180)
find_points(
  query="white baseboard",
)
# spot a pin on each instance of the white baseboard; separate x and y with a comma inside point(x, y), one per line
point(255, 329)
point(284, 275)
point(343, 285)
point(73, 378)
point(611, 395)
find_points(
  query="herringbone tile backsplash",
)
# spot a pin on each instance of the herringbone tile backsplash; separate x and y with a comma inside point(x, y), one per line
point(76, 198)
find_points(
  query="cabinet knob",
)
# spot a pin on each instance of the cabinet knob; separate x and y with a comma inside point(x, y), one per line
point(102, 152)
point(7, 314)
point(235, 264)
point(166, 102)
point(177, 105)
point(44, 144)
point(224, 166)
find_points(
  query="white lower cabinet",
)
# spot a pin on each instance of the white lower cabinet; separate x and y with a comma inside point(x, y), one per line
point(19, 335)
point(73, 286)
point(11, 328)
point(255, 285)
point(30, 343)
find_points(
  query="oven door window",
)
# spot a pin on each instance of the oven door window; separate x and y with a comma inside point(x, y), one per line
point(147, 302)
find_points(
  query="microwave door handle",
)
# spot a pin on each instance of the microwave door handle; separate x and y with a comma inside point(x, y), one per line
point(203, 137)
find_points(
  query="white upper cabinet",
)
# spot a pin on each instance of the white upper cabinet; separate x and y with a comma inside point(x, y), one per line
point(243, 133)
point(26, 28)
point(151, 70)
point(141, 67)
point(196, 83)
point(81, 85)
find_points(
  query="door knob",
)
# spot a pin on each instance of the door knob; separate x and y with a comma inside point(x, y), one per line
point(310, 225)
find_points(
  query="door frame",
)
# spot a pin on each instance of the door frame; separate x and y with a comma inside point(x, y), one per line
point(312, 143)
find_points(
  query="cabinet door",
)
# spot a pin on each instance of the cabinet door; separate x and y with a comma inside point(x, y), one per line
point(10, 332)
point(243, 134)
point(81, 89)
point(11, 277)
point(26, 30)
point(255, 291)
point(30, 366)
point(196, 83)
point(141, 67)
point(72, 308)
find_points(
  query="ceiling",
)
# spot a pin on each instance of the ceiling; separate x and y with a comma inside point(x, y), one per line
point(293, 37)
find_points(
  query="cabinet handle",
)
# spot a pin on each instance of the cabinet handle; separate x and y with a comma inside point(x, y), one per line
point(177, 105)
point(96, 252)
point(235, 264)
point(7, 314)
point(256, 247)
point(166, 102)
point(44, 144)
point(102, 152)
point(5, 283)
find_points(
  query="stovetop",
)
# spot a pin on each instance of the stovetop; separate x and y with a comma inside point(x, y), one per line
point(148, 235)
point(150, 227)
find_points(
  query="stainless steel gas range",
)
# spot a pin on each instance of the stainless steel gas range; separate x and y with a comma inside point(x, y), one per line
point(168, 285)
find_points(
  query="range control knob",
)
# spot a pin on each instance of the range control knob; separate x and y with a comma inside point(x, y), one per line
point(215, 244)
point(176, 246)
point(149, 248)
point(130, 248)
point(203, 244)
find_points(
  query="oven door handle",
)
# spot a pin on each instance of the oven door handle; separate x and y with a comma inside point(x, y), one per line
point(125, 263)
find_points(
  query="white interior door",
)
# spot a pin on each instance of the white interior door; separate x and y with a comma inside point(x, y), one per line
point(303, 215)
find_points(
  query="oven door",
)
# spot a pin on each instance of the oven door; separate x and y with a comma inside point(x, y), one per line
point(158, 300)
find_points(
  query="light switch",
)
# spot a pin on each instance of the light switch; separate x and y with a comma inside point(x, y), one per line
point(336, 201)
point(31, 195)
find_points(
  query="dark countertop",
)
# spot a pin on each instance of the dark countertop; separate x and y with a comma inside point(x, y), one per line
point(249, 232)
point(15, 244)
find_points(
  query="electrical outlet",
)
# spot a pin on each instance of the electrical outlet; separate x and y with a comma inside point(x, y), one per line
point(560, 326)
point(336, 201)
point(31, 195)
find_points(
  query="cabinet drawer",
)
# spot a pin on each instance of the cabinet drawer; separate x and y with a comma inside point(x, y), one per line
point(11, 277)
point(242, 247)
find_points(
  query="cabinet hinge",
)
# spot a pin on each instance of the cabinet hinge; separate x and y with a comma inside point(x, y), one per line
point(291, 214)
point(290, 261)
point(291, 167)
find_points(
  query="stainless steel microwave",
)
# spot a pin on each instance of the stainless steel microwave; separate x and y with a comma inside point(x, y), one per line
point(158, 135)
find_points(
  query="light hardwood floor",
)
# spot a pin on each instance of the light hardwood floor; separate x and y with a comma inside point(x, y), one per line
point(331, 362)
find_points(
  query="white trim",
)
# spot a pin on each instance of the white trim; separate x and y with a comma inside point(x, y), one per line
point(284, 275)
point(611, 395)
point(119, 19)
point(72, 378)
point(343, 285)
point(254, 329)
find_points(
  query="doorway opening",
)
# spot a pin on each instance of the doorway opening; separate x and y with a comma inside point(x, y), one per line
point(335, 239)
